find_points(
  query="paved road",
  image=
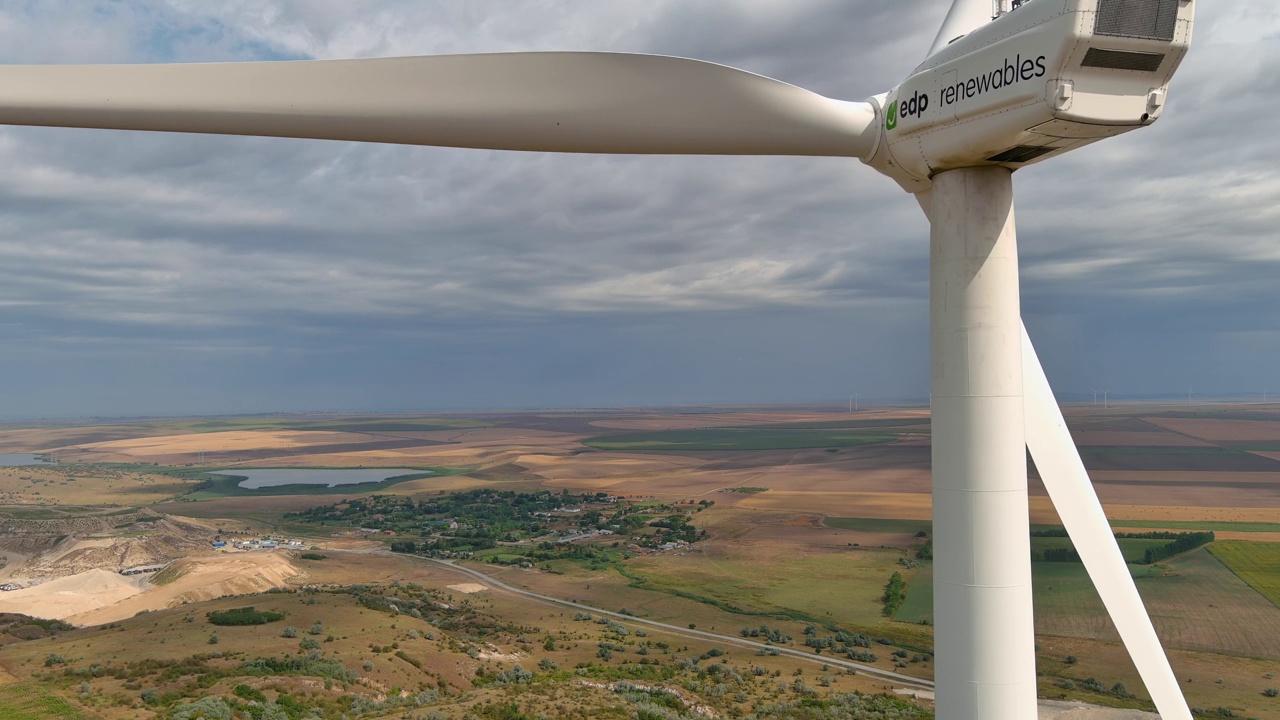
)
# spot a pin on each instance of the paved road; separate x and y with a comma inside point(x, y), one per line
point(906, 680)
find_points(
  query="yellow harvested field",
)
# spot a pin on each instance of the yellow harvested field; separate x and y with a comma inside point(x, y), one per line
point(1191, 513)
point(595, 466)
point(87, 485)
point(229, 440)
point(909, 506)
point(72, 595)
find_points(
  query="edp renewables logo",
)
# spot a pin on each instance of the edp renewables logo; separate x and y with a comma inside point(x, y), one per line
point(1013, 72)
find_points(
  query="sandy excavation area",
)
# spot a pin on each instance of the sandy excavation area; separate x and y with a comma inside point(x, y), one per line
point(84, 592)
point(468, 588)
point(95, 597)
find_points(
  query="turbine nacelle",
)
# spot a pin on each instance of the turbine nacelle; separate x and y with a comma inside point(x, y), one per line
point(1047, 78)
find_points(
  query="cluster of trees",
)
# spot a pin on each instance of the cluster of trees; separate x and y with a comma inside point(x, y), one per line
point(1183, 543)
point(895, 591)
point(773, 635)
point(1179, 543)
point(243, 616)
point(842, 641)
point(1057, 555)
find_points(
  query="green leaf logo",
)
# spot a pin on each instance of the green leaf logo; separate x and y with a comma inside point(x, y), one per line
point(891, 116)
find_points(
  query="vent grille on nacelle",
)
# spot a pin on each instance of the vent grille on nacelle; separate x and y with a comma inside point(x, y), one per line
point(1122, 60)
point(1021, 154)
point(1149, 19)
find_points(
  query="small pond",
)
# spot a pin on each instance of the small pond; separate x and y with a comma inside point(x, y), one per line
point(274, 477)
point(20, 460)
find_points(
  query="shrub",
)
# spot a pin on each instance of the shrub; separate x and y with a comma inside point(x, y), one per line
point(1271, 692)
point(249, 693)
point(243, 616)
point(213, 639)
point(206, 708)
point(317, 628)
point(313, 556)
point(53, 659)
point(289, 632)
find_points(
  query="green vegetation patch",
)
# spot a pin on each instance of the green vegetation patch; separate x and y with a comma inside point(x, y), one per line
point(850, 591)
point(1048, 549)
point(1258, 564)
point(1199, 525)
point(243, 616)
point(740, 438)
point(29, 702)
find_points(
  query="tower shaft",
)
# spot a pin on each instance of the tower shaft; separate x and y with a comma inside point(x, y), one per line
point(984, 635)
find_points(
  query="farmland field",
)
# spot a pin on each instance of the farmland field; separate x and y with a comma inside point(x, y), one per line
point(1132, 549)
point(1258, 564)
point(1201, 525)
point(880, 525)
point(744, 438)
point(848, 592)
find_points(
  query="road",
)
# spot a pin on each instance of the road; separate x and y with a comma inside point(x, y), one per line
point(897, 678)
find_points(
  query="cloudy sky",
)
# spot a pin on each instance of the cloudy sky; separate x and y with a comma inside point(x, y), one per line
point(168, 274)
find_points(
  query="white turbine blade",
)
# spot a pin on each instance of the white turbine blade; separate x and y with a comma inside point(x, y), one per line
point(555, 102)
point(964, 17)
point(1068, 484)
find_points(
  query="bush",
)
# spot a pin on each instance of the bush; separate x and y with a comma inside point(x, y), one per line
point(206, 708)
point(249, 693)
point(213, 639)
point(243, 616)
point(1270, 692)
point(317, 628)
point(313, 556)
point(53, 659)
point(289, 632)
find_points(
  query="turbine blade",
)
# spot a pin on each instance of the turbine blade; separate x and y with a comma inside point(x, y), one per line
point(964, 17)
point(543, 101)
point(1068, 484)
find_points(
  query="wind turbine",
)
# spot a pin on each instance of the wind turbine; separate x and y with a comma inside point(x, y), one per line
point(999, 90)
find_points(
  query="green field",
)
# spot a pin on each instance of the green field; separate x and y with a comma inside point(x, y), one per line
point(30, 702)
point(880, 525)
point(1201, 525)
point(740, 438)
point(918, 607)
point(840, 588)
point(1132, 549)
point(1258, 564)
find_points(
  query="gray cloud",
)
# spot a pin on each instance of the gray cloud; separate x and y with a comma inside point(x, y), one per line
point(164, 273)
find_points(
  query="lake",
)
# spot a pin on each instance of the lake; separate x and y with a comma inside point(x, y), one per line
point(19, 460)
point(274, 477)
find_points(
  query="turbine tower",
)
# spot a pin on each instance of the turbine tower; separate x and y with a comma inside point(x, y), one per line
point(1000, 89)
